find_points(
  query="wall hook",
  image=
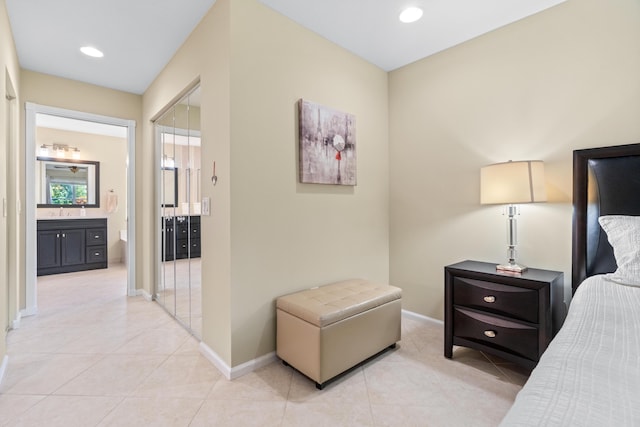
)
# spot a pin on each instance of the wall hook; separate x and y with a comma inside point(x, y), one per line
point(214, 177)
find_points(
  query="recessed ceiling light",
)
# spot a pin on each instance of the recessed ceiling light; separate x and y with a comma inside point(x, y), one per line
point(91, 51)
point(411, 14)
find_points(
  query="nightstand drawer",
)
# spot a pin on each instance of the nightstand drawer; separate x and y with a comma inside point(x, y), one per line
point(496, 332)
point(511, 301)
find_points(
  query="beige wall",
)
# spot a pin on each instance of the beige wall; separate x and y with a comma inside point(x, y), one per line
point(288, 236)
point(205, 56)
point(10, 225)
point(57, 92)
point(269, 235)
point(564, 79)
point(111, 152)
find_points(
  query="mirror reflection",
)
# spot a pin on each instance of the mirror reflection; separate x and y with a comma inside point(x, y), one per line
point(178, 141)
point(67, 182)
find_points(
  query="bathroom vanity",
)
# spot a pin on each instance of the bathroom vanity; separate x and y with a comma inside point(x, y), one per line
point(180, 237)
point(71, 244)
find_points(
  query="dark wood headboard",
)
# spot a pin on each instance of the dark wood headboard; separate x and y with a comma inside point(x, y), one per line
point(606, 181)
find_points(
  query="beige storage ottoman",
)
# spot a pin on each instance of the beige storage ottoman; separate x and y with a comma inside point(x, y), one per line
point(327, 330)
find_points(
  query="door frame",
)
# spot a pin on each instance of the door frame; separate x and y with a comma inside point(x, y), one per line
point(32, 109)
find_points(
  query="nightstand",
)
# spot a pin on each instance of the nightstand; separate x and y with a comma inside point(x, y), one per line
point(505, 314)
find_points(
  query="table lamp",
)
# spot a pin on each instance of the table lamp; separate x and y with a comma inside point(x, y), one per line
point(512, 183)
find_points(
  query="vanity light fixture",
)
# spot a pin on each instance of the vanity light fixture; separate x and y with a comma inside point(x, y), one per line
point(410, 14)
point(91, 51)
point(59, 150)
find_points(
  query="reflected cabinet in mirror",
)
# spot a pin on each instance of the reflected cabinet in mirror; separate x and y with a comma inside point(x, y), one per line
point(66, 182)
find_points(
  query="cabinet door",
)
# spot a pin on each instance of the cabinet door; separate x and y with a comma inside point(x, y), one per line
point(168, 242)
point(48, 248)
point(72, 247)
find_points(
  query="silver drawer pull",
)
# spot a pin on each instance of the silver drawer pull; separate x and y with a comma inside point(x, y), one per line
point(97, 253)
point(490, 333)
point(489, 298)
point(96, 237)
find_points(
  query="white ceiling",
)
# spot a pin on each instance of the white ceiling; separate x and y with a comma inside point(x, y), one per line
point(139, 37)
point(371, 28)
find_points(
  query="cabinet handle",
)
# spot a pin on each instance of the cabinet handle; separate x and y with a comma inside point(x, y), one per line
point(489, 298)
point(96, 237)
point(490, 333)
point(97, 253)
point(58, 236)
point(64, 235)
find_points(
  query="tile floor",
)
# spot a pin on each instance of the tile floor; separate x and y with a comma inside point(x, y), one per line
point(93, 357)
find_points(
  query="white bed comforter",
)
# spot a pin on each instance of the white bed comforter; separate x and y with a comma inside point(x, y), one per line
point(590, 374)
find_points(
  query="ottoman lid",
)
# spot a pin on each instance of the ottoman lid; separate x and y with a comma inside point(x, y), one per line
point(328, 304)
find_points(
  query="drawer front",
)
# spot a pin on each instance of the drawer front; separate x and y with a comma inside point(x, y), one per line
point(508, 336)
point(96, 254)
point(182, 230)
point(96, 236)
point(511, 301)
point(195, 230)
point(195, 247)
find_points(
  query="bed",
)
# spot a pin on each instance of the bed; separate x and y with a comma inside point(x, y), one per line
point(590, 373)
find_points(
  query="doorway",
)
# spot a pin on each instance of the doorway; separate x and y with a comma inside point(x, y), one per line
point(36, 113)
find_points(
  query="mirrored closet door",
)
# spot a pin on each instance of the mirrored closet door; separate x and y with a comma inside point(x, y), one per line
point(178, 288)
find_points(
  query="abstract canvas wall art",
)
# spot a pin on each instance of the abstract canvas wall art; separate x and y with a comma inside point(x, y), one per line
point(327, 145)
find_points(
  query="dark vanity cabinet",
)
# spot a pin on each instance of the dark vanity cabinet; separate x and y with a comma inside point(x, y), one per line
point(66, 245)
point(181, 237)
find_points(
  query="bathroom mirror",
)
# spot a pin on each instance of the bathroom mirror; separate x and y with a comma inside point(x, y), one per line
point(66, 182)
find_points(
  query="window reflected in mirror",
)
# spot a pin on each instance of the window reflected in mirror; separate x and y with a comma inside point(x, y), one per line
point(67, 183)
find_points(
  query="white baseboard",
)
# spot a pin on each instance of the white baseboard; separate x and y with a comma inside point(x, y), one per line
point(215, 360)
point(237, 371)
point(15, 323)
point(3, 367)
point(30, 311)
point(421, 318)
point(250, 366)
point(146, 295)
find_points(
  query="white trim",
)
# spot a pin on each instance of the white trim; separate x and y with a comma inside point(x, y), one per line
point(3, 367)
point(31, 295)
point(215, 360)
point(131, 208)
point(15, 323)
point(420, 318)
point(30, 208)
point(252, 365)
point(26, 313)
point(236, 371)
point(143, 292)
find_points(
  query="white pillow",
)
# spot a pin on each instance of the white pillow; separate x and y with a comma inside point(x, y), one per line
point(623, 233)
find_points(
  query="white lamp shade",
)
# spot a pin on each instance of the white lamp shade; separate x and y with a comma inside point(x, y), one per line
point(513, 183)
